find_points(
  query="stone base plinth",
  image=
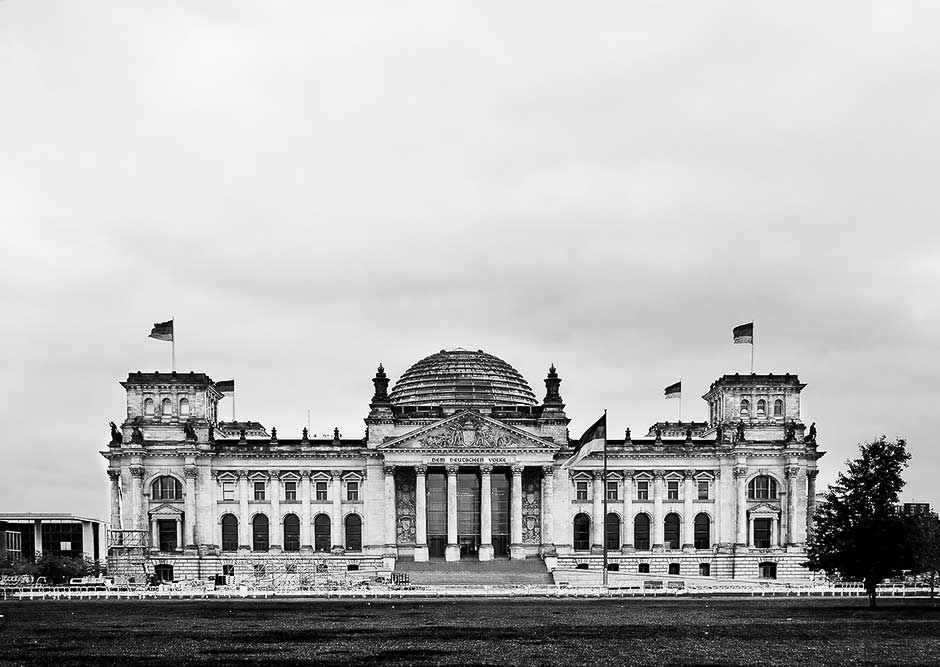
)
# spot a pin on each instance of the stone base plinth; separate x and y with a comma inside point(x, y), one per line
point(421, 553)
point(486, 552)
point(452, 552)
point(517, 552)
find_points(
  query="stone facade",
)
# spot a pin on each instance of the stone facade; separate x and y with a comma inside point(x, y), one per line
point(460, 461)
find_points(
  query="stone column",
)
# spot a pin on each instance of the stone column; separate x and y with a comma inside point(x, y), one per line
point(137, 497)
point(486, 514)
point(791, 473)
point(337, 519)
point(244, 517)
point(189, 537)
point(548, 507)
point(154, 535)
point(516, 550)
point(628, 493)
point(421, 514)
point(305, 544)
point(597, 537)
point(688, 518)
point(277, 526)
point(179, 533)
point(750, 532)
point(810, 499)
point(715, 536)
point(115, 477)
point(774, 525)
point(208, 531)
point(740, 472)
point(452, 551)
point(658, 528)
point(391, 539)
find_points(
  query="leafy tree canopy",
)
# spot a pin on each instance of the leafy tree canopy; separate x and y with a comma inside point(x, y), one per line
point(857, 532)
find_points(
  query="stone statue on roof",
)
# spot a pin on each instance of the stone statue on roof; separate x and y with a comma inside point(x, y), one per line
point(719, 433)
point(116, 437)
point(810, 438)
point(189, 432)
point(741, 431)
point(137, 436)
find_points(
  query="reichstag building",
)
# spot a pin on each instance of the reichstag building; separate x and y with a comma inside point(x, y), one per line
point(460, 460)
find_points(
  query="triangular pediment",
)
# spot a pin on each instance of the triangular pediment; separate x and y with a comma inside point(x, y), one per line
point(166, 510)
point(468, 430)
point(764, 509)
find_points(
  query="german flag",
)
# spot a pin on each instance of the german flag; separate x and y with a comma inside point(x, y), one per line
point(162, 331)
point(743, 333)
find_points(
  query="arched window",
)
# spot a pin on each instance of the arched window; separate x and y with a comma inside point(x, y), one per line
point(761, 408)
point(229, 533)
point(641, 532)
point(702, 531)
point(321, 533)
point(184, 407)
point(167, 488)
point(613, 532)
point(778, 408)
point(745, 407)
point(671, 530)
point(582, 532)
point(259, 533)
point(291, 533)
point(762, 487)
point(148, 407)
point(354, 532)
point(166, 407)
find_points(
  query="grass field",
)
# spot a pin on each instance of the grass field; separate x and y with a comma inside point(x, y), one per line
point(485, 632)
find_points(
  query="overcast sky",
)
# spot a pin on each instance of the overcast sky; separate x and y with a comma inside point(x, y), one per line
point(313, 188)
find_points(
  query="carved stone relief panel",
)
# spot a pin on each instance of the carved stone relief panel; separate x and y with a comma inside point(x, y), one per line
point(405, 505)
point(532, 506)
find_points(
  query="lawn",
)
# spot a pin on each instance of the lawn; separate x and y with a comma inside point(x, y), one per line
point(469, 632)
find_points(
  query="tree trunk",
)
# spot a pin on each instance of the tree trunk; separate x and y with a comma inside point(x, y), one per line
point(871, 595)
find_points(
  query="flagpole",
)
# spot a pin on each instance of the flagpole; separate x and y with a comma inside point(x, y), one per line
point(173, 343)
point(604, 485)
point(233, 400)
point(680, 402)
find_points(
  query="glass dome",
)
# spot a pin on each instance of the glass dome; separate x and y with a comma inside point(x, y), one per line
point(462, 378)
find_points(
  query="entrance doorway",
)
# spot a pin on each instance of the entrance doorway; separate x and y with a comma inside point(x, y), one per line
point(500, 484)
point(468, 513)
point(437, 514)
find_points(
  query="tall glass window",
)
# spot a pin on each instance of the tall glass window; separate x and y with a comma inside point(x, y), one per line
point(641, 532)
point(437, 513)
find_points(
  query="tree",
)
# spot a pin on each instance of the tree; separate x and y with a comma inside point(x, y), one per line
point(858, 532)
point(924, 546)
point(58, 569)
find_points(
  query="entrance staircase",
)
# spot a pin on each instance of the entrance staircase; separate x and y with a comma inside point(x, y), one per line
point(498, 572)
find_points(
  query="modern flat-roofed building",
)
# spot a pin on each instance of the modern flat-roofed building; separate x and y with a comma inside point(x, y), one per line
point(461, 461)
point(26, 535)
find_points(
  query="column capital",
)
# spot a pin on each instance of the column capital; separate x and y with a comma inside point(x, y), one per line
point(791, 471)
point(628, 473)
point(190, 472)
point(812, 472)
point(688, 474)
point(114, 475)
point(305, 474)
point(548, 470)
point(137, 471)
point(451, 471)
point(243, 474)
point(740, 472)
point(717, 473)
point(421, 470)
point(517, 471)
point(486, 469)
point(597, 474)
point(659, 474)
point(339, 473)
point(389, 470)
point(215, 474)
point(274, 474)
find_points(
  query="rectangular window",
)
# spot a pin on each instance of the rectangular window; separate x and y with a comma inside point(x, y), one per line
point(642, 490)
point(611, 490)
point(290, 490)
point(672, 490)
point(582, 490)
point(228, 490)
point(703, 490)
point(259, 490)
point(321, 492)
point(14, 541)
point(352, 490)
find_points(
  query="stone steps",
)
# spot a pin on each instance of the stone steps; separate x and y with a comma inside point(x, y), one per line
point(468, 573)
